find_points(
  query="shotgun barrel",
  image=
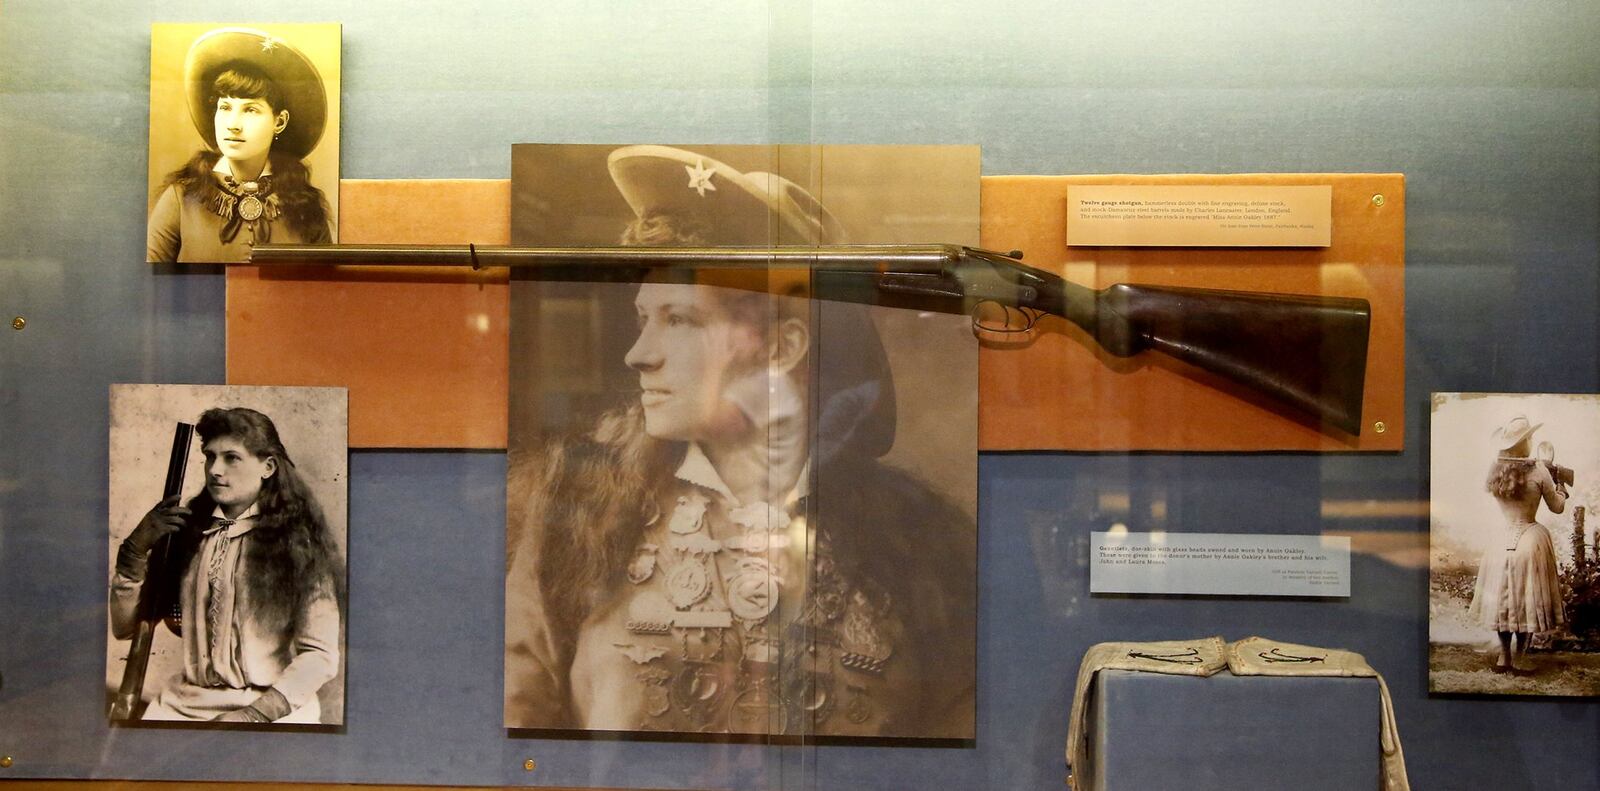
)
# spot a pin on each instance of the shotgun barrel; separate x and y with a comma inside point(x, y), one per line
point(157, 595)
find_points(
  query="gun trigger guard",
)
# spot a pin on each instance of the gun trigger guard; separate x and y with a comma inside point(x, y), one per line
point(1006, 336)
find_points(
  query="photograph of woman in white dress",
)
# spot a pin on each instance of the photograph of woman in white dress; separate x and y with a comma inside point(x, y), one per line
point(1518, 592)
point(250, 579)
point(1514, 566)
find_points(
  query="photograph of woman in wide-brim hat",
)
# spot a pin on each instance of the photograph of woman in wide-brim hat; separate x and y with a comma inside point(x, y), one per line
point(259, 107)
point(725, 550)
point(1518, 590)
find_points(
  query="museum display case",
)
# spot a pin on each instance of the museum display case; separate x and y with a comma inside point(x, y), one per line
point(800, 394)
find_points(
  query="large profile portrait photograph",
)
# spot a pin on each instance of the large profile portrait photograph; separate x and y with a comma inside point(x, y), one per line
point(228, 514)
point(1514, 594)
point(244, 139)
point(731, 508)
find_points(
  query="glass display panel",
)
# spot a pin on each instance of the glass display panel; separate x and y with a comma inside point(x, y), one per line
point(1479, 127)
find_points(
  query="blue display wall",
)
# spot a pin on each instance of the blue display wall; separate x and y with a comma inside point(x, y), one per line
point(1492, 110)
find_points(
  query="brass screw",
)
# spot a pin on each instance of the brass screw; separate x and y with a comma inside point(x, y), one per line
point(18, 323)
point(1377, 200)
point(529, 765)
point(1379, 427)
point(5, 762)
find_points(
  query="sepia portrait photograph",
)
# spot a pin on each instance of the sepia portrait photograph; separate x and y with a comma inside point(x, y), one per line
point(244, 139)
point(228, 516)
point(1514, 566)
point(733, 508)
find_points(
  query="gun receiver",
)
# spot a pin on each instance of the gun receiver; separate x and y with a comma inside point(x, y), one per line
point(1306, 352)
point(159, 592)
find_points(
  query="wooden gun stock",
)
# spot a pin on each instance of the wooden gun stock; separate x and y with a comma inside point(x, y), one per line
point(1308, 352)
point(157, 595)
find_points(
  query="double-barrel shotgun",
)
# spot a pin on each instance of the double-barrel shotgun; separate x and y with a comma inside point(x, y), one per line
point(158, 596)
point(1308, 353)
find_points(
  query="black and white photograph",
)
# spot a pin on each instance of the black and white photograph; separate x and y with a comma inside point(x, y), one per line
point(244, 139)
point(1514, 593)
point(228, 517)
point(731, 508)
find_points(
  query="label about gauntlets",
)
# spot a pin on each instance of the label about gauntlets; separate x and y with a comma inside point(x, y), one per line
point(1219, 564)
point(1139, 215)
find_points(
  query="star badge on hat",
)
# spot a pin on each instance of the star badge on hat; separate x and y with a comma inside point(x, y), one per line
point(700, 177)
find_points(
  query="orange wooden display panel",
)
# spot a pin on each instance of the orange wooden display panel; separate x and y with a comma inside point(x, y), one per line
point(425, 352)
point(1061, 393)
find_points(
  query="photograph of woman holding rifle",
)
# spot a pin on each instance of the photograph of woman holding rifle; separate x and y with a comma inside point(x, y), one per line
point(252, 583)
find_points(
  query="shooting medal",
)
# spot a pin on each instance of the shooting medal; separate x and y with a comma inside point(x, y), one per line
point(809, 697)
point(250, 207)
point(858, 706)
point(643, 565)
point(753, 589)
point(689, 514)
point(753, 712)
point(656, 698)
point(688, 584)
point(696, 691)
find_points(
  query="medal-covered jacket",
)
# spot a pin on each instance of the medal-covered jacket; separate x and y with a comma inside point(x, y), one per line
point(845, 613)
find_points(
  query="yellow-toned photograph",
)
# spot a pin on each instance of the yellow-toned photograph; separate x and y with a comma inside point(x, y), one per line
point(244, 139)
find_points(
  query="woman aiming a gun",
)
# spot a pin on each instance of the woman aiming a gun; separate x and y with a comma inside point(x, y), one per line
point(257, 599)
point(1518, 591)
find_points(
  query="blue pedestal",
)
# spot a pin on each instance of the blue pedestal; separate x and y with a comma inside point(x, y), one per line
point(1226, 732)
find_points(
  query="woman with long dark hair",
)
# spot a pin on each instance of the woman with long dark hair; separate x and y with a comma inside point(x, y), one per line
point(1518, 590)
point(727, 553)
point(259, 105)
point(259, 597)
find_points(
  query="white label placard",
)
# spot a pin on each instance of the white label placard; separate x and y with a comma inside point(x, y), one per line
point(1248, 564)
point(1199, 215)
